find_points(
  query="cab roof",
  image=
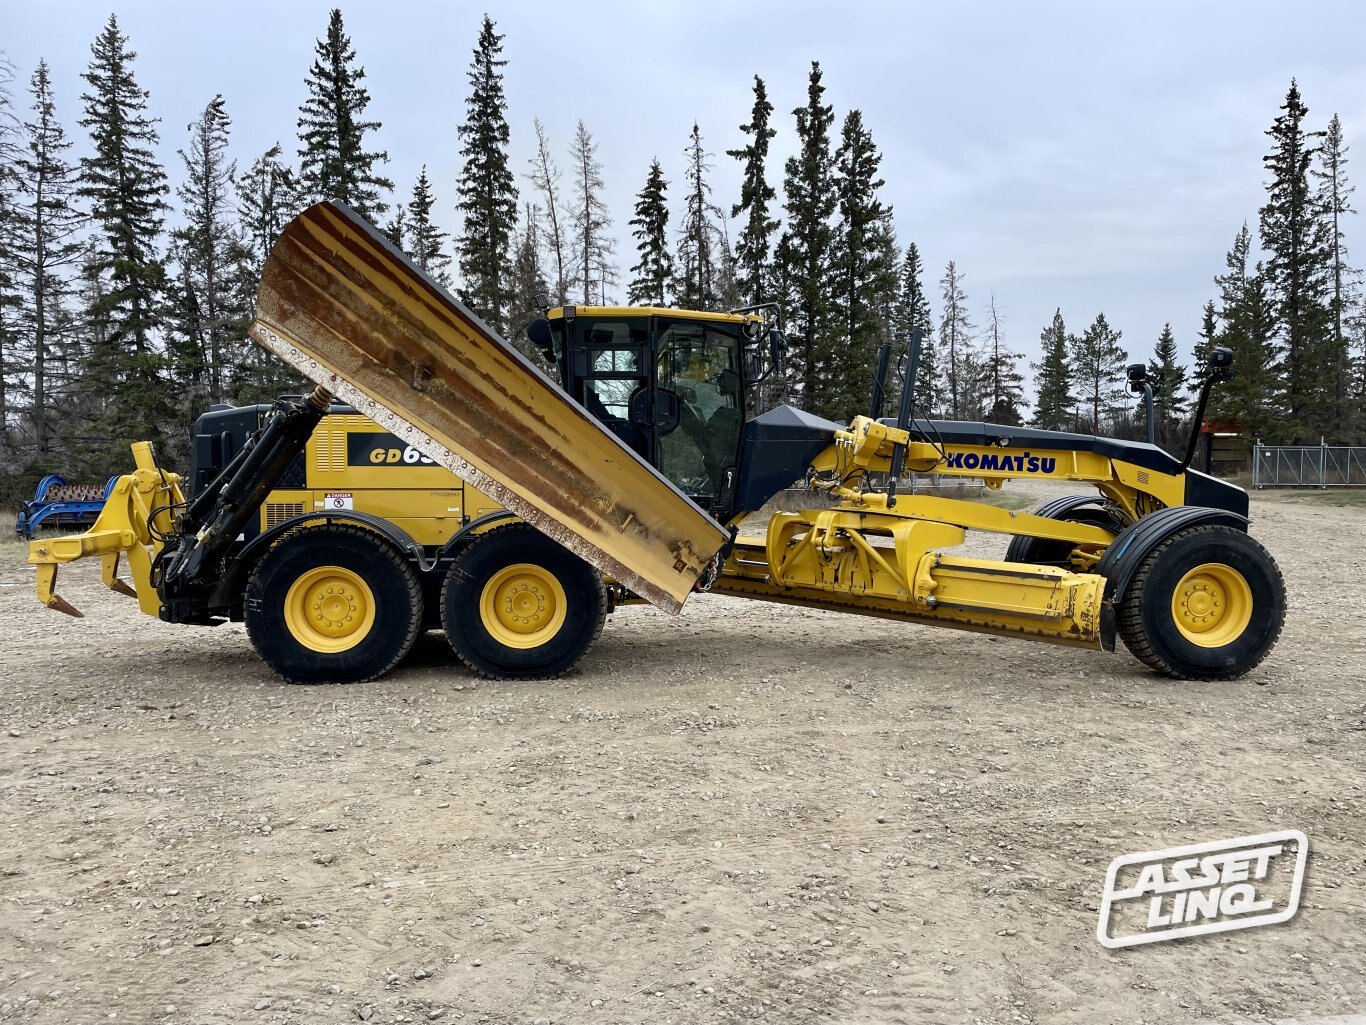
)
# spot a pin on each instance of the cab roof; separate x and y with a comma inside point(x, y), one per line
point(557, 313)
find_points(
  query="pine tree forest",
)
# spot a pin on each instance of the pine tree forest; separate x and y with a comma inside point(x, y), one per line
point(126, 286)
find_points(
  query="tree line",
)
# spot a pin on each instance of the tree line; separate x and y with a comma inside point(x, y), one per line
point(114, 328)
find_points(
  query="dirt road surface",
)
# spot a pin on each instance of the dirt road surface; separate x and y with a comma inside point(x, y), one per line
point(746, 813)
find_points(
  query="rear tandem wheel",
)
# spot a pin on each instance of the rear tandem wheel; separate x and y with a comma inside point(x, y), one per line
point(518, 606)
point(1206, 604)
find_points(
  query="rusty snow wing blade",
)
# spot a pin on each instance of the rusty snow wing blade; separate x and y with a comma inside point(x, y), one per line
point(346, 309)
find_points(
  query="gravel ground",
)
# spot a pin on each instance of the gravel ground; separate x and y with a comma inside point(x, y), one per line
point(747, 812)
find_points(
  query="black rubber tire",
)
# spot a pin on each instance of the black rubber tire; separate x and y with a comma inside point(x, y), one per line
point(392, 581)
point(1145, 618)
point(478, 563)
point(1041, 551)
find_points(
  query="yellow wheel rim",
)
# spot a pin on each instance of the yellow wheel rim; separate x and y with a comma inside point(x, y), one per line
point(523, 606)
point(1212, 605)
point(329, 609)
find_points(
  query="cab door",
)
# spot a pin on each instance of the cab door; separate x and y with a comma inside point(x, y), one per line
point(612, 369)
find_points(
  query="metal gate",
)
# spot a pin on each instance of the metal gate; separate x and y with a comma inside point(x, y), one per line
point(1308, 466)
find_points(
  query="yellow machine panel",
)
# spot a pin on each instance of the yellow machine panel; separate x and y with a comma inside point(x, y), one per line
point(353, 463)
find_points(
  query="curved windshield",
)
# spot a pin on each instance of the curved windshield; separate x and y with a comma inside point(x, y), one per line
point(700, 363)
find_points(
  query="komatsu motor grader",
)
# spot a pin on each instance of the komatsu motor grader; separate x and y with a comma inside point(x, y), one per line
point(436, 477)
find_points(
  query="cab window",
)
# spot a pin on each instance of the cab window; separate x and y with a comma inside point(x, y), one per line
point(612, 365)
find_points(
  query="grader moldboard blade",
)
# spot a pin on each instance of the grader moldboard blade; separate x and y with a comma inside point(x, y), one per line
point(346, 309)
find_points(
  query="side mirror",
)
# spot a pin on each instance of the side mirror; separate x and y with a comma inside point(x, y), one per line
point(777, 349)
point(666, 410)
point(539, 334)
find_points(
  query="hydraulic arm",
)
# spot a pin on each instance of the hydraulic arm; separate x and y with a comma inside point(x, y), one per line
point(175, 549)
point(210, 524)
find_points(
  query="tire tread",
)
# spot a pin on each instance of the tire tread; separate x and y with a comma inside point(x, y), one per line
point(262, 643)
point(504, 533)
point(1134, 632)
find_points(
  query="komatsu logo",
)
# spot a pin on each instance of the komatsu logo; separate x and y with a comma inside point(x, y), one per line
point(1024, 463)
point(1203, 888)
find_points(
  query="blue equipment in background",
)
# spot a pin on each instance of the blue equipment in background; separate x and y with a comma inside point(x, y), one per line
point(58, 505)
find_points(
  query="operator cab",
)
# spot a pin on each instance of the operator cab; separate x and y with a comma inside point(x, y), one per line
point(670, 385)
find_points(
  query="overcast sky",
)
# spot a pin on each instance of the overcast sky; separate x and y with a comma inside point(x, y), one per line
point(1093, 156)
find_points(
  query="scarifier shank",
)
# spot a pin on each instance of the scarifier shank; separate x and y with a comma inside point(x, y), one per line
point(345, 308)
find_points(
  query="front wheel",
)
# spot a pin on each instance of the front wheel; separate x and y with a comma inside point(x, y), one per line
point(333, 604)
point(1208, 603)
point(518, 606)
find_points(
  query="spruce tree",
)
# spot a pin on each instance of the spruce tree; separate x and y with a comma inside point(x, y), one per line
point(545, 178)
point(486, 189)
point(786, 386)
point(1296, 234)
point(1098, 371)
point(810, 203)
point(863, 273)
point(47, 223)
point(592, 245)
point(268, 197)
point(1356, 327)
point(753, 250)
point(1003, 383)
point(334, 161)
point(654, 273)
point(955, 344)
point(209, 315)
point(1333, 197)
point(700, 256)
point(425, 239)
point(1208, 339)
point(396, 229)
point(126, 188)
point(913, 310)
point(11, 374)
point(1055, 408)
point(529, 285)
point(1254, 397)
point(1168, 379)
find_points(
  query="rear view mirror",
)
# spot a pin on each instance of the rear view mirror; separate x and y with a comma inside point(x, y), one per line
point(666, 410)
point(777, 349)
point(539, 334)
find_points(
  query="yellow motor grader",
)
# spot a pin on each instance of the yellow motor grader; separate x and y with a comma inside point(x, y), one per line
point(520, 510)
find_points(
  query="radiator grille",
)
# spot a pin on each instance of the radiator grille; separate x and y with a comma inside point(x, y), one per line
point(278, 512)
point(1143, 476)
